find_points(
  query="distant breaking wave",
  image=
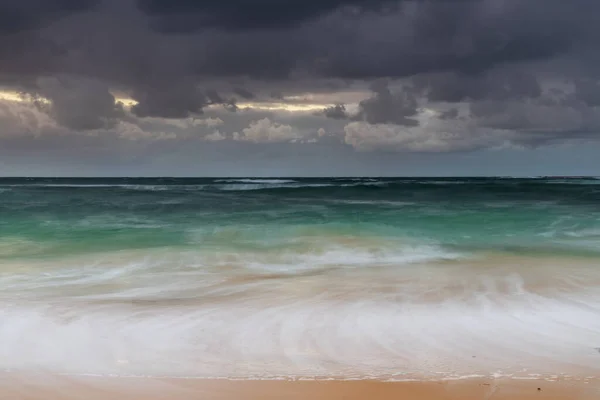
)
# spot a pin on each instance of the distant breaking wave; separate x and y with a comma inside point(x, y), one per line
point(259, 186)
point(313, 185)
point(265, 181)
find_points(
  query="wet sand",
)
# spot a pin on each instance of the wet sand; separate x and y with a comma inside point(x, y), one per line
point(45, 387)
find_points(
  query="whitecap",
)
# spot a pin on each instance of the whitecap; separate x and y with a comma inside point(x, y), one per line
point(266, 181)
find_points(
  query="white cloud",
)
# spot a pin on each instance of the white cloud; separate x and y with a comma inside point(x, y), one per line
point(131, 131)
point(18, 118)
point(433, 135)
point(24, 119)
point(266, 131)
point(209, 122)
point(187, 123)
point(215, 137)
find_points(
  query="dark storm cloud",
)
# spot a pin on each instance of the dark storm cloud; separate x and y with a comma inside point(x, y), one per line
point(498, 85)
point(170, 101)
point(19, 15)
point(383, 107)
point(244, 93)
point(403, 39)
point(79, 104)
point(190, 15)
point(214, 96)
point(413, 37)
point(337, 111)
point(450, 114)
point(167, 55)
point(588, 91)
point(467, 37)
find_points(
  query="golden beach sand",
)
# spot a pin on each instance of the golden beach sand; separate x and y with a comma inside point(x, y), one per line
point(46, 387)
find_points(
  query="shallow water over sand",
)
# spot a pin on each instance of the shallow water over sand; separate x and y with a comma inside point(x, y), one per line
point(492, 315)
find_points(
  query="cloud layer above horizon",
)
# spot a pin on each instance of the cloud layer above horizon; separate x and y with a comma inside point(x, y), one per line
point(129, 80)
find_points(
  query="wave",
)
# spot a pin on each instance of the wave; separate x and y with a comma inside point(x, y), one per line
point(524, 188)
point(584, 233)
point(376, 202)
point(252, 314)
point(241, 185)
point(163, 188)
point(315, 255)
point(224, 185)
point(135, 187)
point(305, 336)
point(62, 185)
point(266, 181)
point(302, 185)
point(345, 257)
point(269, 186)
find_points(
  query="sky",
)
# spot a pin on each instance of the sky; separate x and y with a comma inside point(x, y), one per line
point(299, 87)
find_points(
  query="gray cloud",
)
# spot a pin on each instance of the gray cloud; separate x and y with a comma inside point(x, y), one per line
point(450, 114)
point(493, 84)
point(79, 104)
point(385, 107)
point(539, 121)
point(337, 111)
point(468, 37)
point(588, 91)
point(176, 100)
point(244, 93)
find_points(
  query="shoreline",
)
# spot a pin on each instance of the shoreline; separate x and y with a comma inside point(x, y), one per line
point(20, 386)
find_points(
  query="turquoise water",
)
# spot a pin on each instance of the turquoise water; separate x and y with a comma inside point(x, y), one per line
point(53, 217)
point(260, 278)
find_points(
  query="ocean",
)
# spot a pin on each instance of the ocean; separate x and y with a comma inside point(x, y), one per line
point(385, 278)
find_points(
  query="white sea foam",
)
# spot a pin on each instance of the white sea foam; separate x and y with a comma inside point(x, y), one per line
point(266, 181)
point(139, 187)
point(312, 292)
point(345, 257)
point(150, 272)
point(389, 203)
point(304, 338)
point(104, 221)
point(200, 315)
point(585, 233)
point(259, 186)
point(59, 185)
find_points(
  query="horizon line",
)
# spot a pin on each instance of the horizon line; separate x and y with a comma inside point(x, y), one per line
point(301, 177)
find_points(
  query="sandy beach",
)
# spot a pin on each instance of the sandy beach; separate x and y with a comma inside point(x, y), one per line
point(46, 387)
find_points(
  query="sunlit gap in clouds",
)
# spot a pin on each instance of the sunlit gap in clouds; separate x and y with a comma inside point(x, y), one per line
point(296, 104)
